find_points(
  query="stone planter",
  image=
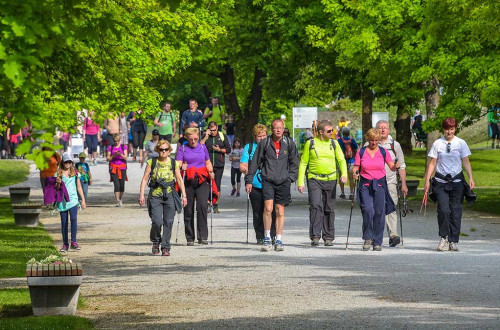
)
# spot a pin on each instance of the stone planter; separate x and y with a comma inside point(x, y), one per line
point(51, 294)
point(27, 214)
point(19, 195)
point(412, 187)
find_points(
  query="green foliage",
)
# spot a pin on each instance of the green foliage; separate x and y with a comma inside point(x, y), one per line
point(13, 171)
point(19, 244)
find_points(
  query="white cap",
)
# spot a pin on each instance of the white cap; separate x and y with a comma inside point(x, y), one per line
point(66, 157)
point(283, 117)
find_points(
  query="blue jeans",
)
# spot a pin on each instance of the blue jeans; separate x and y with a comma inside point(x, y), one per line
point(72, 212)
point(85, 188)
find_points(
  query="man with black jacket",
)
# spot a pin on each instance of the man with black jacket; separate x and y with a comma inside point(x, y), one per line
point(218, 146)
point(277, 157)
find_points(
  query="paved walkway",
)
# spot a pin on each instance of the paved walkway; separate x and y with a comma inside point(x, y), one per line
point(232, 284)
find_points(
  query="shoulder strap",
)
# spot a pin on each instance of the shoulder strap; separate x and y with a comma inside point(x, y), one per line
point(250, 149)
point(362, 152)
point(311, 147)
point(153, 164)
point(221, 136)
point(382, 151)
point(161, 115)
point(332, 141)
point(172, 164)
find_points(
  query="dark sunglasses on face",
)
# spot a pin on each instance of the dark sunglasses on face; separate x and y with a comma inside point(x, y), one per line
point(68, 162)
point(329, 131)
point(162, 150)
point(448, 147)
point(213, 130)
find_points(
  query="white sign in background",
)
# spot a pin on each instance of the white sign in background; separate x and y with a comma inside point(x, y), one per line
point(303, 118)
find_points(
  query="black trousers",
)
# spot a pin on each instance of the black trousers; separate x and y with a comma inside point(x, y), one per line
point(257, 201)
point(450, 198)
point(199, 192)
point(218, 171)
point(322, 208)
point(118, 183)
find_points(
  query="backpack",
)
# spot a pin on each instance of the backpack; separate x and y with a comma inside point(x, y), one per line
point(154, 160)
point(348, 148)
point(332, 146)
point(170, 113)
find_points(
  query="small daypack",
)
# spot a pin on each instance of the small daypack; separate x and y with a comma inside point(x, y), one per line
point(348, 148)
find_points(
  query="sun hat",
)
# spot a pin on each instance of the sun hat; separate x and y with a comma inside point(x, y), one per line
point(66, 157)
point(82, 155)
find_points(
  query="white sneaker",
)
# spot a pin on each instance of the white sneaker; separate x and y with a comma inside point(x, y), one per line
point(453, 246)
point(267, 245)
point(121, 204)
point(117, 204)
point(443, 244)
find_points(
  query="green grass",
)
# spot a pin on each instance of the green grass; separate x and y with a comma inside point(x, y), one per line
point(15, 313)
point(20, 244)
point(13, 171)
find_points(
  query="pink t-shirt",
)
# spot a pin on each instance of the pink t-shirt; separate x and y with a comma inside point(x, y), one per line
point(373, 168)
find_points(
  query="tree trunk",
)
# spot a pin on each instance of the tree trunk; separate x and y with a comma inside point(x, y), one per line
point(403, 132)
point(207, 93)
point(367, 107)
point(432, 98)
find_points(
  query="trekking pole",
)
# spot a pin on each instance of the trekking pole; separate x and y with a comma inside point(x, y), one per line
point(179, 216)
point(399, 205)
point(352, 206)
point(248, 211)
point(211, 214)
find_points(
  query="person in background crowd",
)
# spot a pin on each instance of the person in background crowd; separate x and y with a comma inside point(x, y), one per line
point(151, 145)
point(286, 132)
point(229, 127)
point(373, 195)
point(199, 174)
point(277, 156)
point(139, 129)
point(3, 137)
point(346, 143)
point(343, 122)
point(394, 148)
point(117, 158)
point(112, 127)
point(256, 196)
point(66, 174)
point(319, 158)
point(6, 124)
point(104, 144)
point(84, 174)
point(52, 160)
point(448, 154)
point(91, 136)
point(123, 128)
point(14, 140)
point(218, 146)
point(165, 120)
point(235, 157)
point(418, 130)
point(214, 112)
point(162, 198)
point(493, 123)
point(193, 117)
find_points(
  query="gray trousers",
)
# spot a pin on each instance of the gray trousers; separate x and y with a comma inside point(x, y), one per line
point(391, 220)
point(162, 214)
point(321, 208)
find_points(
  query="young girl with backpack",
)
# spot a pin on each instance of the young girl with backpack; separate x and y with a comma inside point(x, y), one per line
point(66, 174)
point(235, 157)
point(117, 158)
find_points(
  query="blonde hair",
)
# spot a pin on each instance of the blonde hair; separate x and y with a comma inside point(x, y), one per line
point(60, 169)
point(162, 142)
point(371, 134)
point(257, 129)
point(116, 135)
point(191, 131)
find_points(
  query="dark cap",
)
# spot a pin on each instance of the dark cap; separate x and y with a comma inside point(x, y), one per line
point(155, 132)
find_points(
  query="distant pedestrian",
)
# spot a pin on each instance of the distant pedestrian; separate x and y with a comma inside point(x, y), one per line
point(277, 156)
point(235, 157)
point(124, 128)
point(149, 151)
point(320, 158)
point(373, 194)
point(193, 117)
point(91, 136)
point(112, 127)
point(84, 174)
point(448, 154)
point(215, 112)
point(165, 122)
point(349, 148)
point(139, 129)
point(163, 200)
point(117, 158)
point(66, 174)
point(493, 126)
point(229, 127)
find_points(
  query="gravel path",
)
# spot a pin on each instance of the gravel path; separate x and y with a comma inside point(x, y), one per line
point(232, 284)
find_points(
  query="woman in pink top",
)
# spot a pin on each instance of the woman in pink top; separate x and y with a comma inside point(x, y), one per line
point(373, 196)
point(91, 136)
point(117, 155)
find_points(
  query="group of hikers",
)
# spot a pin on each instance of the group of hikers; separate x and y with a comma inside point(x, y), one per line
point(376, 173)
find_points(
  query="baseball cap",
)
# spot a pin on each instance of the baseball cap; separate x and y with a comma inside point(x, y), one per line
point(82, 155)
point(155, 132)
point(66, 157)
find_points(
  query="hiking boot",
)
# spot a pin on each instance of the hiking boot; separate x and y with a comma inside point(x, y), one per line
point(328, 242)
point(443, 244)
point(165, 252)
point(203, 241)
point(216, 208)
point(237, 194)
point(260, 241)
point(64, 248)
point(315, 241)
point(75, 246)
point(368, 243)
point(117, 204)
point(278, 246)
point(267, 245)
point(342, 196)
point(453, 246)
point(233, 191)
point(394, 240)
point(377, 248)
point(190, 243)
point(156, 249)
point(351, 197)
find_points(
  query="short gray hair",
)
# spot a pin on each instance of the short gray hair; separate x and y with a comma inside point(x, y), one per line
point(382, 121)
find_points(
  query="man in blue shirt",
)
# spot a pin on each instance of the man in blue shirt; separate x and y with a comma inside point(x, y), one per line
point(256, 197)
point(193, 117)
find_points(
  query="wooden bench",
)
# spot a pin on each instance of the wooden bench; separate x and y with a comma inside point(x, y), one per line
point(62, 269)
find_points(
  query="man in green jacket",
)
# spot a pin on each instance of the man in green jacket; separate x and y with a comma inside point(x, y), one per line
point(320, 156)
point(493, 122)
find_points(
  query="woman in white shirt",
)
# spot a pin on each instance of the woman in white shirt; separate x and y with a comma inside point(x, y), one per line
point(447, 156)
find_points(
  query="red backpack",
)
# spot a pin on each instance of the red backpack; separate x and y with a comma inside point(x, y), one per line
point(347, 148)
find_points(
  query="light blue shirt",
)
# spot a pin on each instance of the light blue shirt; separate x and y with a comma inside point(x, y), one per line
point(70, 183)
point(257, 180)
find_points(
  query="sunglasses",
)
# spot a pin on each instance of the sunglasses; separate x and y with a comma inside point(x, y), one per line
point(448, 148)
point(68, 162)
point(329, 131)
point(163, 150)
point(213, 130)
